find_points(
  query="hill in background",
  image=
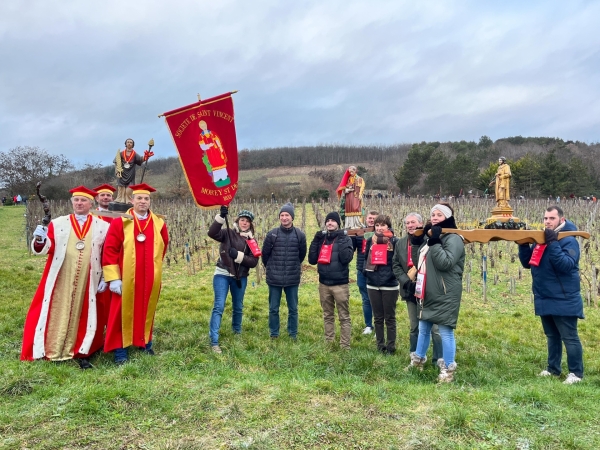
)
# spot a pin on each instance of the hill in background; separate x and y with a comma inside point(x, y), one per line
point(541, 166)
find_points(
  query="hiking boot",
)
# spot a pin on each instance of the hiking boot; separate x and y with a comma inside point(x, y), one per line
point(216, 349)
point(416, 361)
point(447, 373)
point(440, 364)
point(572, 379)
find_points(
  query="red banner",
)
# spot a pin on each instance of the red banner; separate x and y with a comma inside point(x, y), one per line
point(204, 136)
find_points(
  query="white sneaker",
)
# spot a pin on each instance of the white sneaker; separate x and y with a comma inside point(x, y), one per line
point(572, 379)
point(216, 349)
point(367, 330)
point(544, 373)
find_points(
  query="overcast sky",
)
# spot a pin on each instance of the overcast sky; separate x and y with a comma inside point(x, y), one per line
point(78, 77)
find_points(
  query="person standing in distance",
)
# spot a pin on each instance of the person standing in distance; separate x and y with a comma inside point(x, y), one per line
point(283, 251)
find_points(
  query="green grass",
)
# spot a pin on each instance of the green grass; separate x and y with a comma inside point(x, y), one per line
point(263, 394)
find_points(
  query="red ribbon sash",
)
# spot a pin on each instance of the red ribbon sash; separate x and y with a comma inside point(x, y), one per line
point(81, 232)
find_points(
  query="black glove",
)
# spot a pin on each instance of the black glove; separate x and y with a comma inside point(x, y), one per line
point(549, 236)
point(435, 236)
point(233, 253)
point(426, 229)
point(224, 211)
point(319, 236)
point(410, 287)
point(417, 240)
point(436, 232)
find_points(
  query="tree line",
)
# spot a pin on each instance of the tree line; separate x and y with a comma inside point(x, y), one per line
point(541, 166)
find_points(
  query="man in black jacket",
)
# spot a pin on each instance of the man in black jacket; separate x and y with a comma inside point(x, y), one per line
point(332, 251)
point(283, 251)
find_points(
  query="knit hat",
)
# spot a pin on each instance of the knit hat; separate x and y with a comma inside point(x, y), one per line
point(247, 214)
point(334, 215)
point(288, 208)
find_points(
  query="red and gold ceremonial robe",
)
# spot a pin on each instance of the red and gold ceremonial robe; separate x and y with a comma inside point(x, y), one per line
point(103, 298)
point(62, 322)
point(139, 266)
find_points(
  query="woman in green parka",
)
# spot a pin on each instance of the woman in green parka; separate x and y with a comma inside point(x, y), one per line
point(438, 289)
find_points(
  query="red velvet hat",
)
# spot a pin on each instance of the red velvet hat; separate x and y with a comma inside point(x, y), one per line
point(104, 188)
point(142, 188)
point(84, 192)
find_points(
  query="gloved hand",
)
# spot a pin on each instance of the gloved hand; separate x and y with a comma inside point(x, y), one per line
point(410, 287)
point(40, 233)
point(436, 232)
point(102, 286)
point(224, 211)
point(426, 229)
point(549, 236)
point(148, 154)
point(319, 236)
point(116, 286)
point(233, 253)
point(434, 238)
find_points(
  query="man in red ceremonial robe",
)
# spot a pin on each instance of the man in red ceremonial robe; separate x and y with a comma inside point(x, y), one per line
point(215, 156)
point(62, 322)
point(104, 197)
point(132, 264)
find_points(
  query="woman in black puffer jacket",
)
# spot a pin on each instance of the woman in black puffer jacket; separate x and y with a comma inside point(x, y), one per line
point(382, 284)
point(231, 274)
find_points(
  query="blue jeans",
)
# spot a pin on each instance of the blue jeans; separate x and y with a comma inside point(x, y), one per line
point(121, 354)
point(361, 282)
point(222, 284)
point(448, 342)
point(559, 330)
point(291, 296)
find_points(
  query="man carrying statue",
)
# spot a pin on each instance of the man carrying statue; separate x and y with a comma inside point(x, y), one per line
point(125, 163)
point(350, 191)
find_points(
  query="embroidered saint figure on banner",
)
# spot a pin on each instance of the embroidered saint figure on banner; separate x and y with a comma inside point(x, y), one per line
point(214, 156)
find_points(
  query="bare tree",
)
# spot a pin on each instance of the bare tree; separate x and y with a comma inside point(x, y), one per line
point(22, 167)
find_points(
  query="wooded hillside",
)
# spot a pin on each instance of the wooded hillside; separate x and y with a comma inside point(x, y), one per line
point(541, 166)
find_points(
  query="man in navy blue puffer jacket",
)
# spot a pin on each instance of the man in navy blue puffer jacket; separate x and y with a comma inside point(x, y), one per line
point(556, 291)
point(283, 251)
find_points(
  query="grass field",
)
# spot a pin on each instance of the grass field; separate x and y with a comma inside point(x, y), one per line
point(264, 394)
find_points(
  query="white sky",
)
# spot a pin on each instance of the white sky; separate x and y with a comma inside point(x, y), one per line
point(78, 77)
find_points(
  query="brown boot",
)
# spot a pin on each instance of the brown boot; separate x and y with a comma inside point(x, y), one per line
point(416, 361)
point(447, 373)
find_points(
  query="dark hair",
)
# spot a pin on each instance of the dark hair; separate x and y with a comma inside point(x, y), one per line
point(251, 224)
point(558, 210)
point(129, 139)
point(373, 213)
point(383, 220)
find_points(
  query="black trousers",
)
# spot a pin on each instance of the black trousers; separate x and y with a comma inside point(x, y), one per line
point(383, 304)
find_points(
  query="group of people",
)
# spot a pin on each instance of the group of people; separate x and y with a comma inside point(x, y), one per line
point(424, 268)
point(101, 282)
